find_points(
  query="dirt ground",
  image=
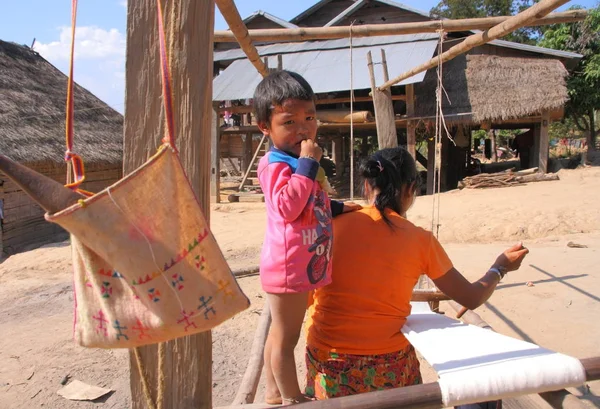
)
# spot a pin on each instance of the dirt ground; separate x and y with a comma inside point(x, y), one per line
point(560, 311)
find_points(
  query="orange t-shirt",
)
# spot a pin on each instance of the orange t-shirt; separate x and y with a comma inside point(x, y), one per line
point(375, 268)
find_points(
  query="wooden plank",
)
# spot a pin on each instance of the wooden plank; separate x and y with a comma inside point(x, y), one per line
point(384, 112)
point(374, 30)
point(188, 361)
point(411, 138)
point(544, 143)
point(533, 13)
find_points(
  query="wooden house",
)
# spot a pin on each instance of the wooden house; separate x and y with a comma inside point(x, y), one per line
point(32, 132)
point(498, 85)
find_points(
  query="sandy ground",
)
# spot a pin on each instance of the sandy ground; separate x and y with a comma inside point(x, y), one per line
point(560, 311)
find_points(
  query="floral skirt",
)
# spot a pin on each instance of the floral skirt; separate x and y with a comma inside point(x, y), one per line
point(331, 375)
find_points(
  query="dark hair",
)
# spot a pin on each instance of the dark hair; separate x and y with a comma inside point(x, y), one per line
point(275, 89)
point(388, 170)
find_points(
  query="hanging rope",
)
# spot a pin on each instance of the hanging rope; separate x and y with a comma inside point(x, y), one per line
point(351, 117)
point(440, 127)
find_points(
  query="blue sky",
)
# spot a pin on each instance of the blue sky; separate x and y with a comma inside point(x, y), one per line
point(100, 38)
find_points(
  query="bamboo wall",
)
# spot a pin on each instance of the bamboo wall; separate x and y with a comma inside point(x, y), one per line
point(24, 223)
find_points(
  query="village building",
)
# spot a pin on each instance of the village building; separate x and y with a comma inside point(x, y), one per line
point(32, 132)
point(499, 85)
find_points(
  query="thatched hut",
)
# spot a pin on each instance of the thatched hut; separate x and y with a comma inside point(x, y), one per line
point(32, 129)
point(499, 89)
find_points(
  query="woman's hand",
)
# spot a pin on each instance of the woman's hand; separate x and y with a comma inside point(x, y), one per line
point(512, 258)
point(351, 207)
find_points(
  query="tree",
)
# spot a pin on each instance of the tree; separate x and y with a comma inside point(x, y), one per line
point(584, 82)
point(457, 9)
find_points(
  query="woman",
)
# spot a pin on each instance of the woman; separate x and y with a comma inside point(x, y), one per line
point(355, 343)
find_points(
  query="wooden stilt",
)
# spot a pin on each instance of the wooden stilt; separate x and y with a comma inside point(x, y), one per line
point(544, 142)
point(411, 138)
point(188, 361)
point(384, 112)
point(215, 158)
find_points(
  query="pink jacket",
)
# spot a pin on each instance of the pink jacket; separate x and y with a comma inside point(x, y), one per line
point(297, 248)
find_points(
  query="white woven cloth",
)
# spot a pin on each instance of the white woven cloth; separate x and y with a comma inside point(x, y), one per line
point(475, 364)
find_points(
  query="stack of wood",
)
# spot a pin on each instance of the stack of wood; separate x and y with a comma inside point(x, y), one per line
point(504, 179)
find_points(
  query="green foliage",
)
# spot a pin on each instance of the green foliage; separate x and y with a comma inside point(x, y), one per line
point(584, 82)
point(459, 9)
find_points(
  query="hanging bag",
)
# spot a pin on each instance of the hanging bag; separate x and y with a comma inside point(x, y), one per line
point(147, 269)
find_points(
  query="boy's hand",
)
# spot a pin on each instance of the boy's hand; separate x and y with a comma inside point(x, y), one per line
point(311, 149)
point(351, 207)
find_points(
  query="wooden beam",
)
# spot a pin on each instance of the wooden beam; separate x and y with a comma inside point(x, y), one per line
point(411, 138)
point(188, 360)
point(244, 109)
point(544, 142)
point(373, 30)
point(509, 25)
point(240, 32)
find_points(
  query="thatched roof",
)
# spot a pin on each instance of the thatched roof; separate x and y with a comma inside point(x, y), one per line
point(32, 113)
point(494, 88)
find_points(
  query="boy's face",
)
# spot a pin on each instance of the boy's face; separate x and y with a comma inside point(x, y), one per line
point(291, 122)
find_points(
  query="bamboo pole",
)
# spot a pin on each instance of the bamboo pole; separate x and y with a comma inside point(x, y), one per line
point(373, 30)
point(249, 384)
point(506, 27)
point(240, 32)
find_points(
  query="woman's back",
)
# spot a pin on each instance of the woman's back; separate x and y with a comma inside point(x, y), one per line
point(375, 267)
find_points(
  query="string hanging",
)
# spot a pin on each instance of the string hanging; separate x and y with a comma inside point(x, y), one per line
point(351, 117)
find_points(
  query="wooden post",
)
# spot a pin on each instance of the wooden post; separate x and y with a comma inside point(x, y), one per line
point(430, 165)
point(215, 157)
point(337, 158)
point(534, 156)
point(384, 112)
point(188, 360)
point(492, 136)
point(544, 142)
point(411, 138)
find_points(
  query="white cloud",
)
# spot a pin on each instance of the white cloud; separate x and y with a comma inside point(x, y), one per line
point(90, 42)
point(100, 60)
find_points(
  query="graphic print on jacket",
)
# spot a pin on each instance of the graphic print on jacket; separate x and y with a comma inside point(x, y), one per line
point(297, 247)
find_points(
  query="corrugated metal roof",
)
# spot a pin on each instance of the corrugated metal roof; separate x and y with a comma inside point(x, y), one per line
point(328, 70)
point(346, 12)
point(271, 17)
point(535, 49)
point(284, 48)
